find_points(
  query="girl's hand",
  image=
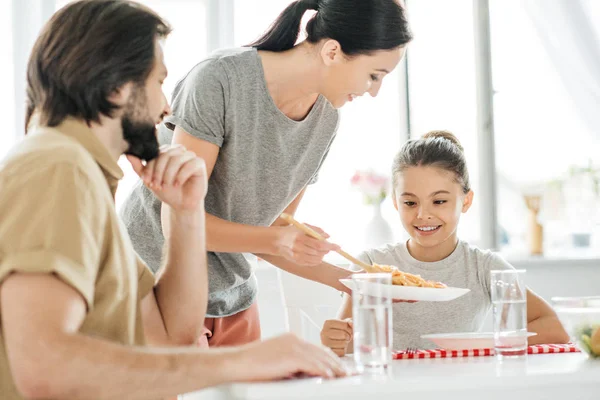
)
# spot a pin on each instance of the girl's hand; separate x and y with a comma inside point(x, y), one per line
point(296, 246)
point(337, 335)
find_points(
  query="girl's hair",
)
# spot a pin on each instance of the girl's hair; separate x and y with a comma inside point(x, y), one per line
point(440, 149)
point(360, 26)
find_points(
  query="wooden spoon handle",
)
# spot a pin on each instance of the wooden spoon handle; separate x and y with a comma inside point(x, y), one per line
point(310, 232)
point(354, 260)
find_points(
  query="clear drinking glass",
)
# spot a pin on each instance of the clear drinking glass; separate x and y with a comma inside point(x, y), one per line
point(372, 320)
point(509, 299)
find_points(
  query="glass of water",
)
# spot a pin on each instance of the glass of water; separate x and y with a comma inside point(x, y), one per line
point(372, 320)
point(509, 299)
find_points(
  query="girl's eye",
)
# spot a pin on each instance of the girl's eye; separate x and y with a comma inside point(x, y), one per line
point(374, 78)
point(438, 202)
point(409, 203)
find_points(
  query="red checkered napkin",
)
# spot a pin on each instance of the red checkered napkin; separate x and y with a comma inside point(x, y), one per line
point(441, 353)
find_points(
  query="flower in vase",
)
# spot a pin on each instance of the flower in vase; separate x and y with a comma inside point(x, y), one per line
point(372, 185)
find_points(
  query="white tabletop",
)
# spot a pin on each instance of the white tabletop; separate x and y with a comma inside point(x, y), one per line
point(541, 376)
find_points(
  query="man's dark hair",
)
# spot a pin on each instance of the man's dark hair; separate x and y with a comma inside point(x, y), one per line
point(85, 52)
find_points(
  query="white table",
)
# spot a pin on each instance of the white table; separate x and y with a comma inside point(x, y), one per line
point(541, 376)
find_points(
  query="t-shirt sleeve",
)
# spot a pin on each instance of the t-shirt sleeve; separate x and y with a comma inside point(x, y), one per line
point(364, 257)
point(50, 222)
point(493, 262)
point(199, 102)
point(146, 278)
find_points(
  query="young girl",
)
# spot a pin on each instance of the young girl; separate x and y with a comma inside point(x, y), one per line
point(430, 191)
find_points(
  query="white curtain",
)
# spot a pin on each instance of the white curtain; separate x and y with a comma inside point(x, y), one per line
point(569, 34)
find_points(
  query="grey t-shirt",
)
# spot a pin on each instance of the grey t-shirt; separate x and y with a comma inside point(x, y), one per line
point(467, 267)
point(265, 160)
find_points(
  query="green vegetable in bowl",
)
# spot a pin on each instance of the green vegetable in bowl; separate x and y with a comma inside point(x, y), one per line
point(589, 339)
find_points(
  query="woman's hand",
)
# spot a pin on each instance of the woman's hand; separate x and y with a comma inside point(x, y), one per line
point(296, 246)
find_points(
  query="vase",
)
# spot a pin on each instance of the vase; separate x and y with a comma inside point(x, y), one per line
point(378, 231)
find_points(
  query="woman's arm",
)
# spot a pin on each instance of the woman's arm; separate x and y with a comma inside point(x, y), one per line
point(230, 237)
point(542, 320)
point(321, 272)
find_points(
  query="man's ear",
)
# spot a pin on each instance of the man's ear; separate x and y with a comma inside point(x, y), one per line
point(120, 96)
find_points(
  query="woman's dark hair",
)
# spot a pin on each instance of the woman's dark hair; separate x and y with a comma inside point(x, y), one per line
point(360, 26)
point(440, 149)
point(85, 52)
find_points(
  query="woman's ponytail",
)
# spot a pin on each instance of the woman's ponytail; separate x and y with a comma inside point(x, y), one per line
point(283, 33)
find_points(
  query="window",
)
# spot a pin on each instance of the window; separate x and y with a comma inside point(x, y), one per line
point(441, 83)
point(253, 18)
point(7, 103)
point(184, 48)
point(539, 134)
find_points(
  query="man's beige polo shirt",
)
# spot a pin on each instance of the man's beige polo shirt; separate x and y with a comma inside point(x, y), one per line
point(57, 216)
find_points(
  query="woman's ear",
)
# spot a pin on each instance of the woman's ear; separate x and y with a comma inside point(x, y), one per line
point(468, 201)
point(331, 52)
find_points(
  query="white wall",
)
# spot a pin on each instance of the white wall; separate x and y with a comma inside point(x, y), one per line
point(569, 279)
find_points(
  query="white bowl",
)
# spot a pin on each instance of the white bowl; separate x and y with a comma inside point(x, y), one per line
point(581, 318)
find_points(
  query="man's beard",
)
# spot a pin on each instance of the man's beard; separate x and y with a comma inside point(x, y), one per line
point(138, 132)
point(141, 137)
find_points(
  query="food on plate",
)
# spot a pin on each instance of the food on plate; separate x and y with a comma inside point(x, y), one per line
point(405, 279)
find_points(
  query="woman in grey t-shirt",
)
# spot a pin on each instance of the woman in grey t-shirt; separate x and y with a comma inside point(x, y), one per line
point(263, 118)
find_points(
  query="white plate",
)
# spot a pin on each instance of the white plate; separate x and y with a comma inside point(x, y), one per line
point(411, 292)
point(465, 341)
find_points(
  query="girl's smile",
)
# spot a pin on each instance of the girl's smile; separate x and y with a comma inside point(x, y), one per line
point(427, 230)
